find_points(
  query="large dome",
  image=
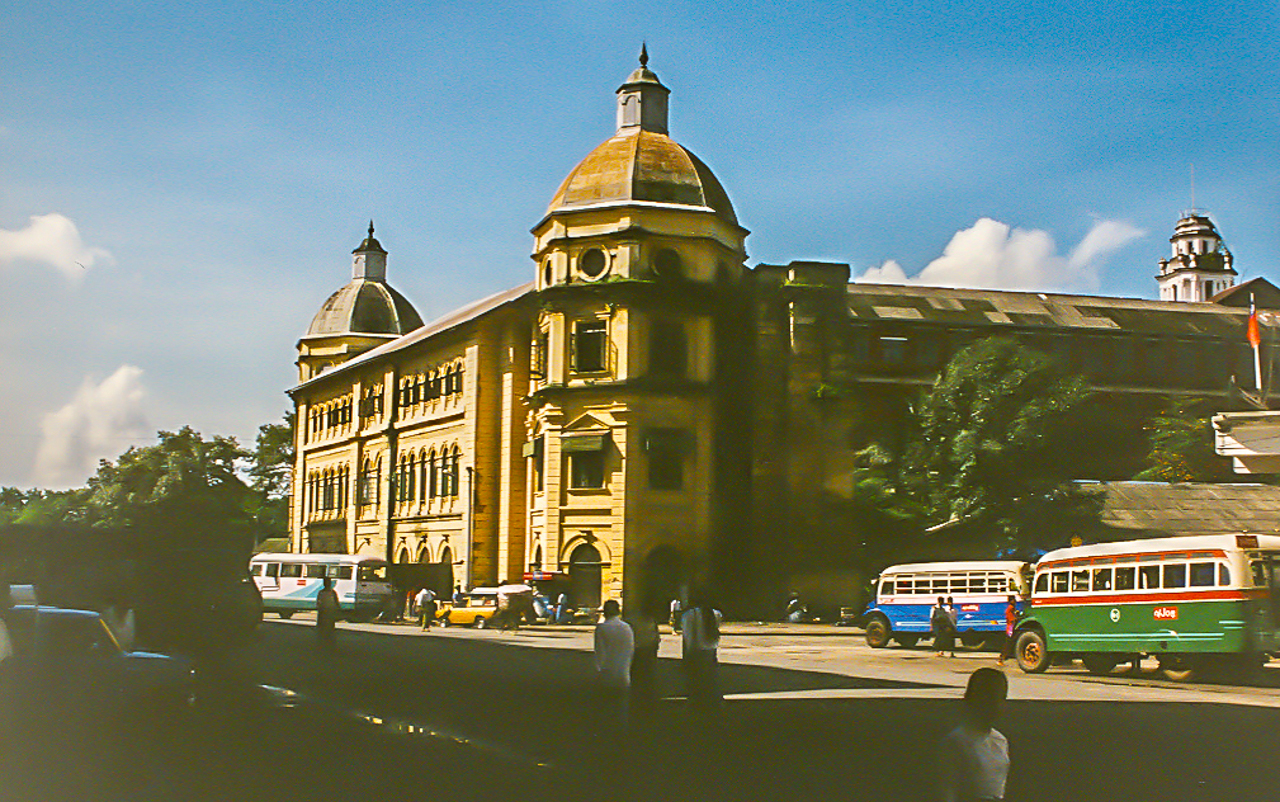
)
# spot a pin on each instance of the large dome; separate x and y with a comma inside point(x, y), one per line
point(640, 165)
point(365, 307)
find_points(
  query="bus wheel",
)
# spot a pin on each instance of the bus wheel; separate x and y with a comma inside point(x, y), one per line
point(1178, 667)
point(877, 633)
point(1033, 656)
point(1099, 663)
point(286, 614)
point(907, 641)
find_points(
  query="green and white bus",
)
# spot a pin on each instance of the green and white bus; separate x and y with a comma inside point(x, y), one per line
point(1197, 603)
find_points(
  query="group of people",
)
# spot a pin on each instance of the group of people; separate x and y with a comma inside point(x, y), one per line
point(626, 658)
point(944, 624)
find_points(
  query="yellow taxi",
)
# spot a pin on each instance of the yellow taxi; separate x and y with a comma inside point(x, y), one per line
point(476, 609)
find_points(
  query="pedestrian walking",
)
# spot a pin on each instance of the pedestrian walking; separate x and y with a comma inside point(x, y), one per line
point(700, 638)
point(939, 624)
point(425, 603)
point(327, 610)
point(562, 607)
point(1011, 616)
point(644, 662)
point(953, 625)
point(614, 647)
point(973, 760)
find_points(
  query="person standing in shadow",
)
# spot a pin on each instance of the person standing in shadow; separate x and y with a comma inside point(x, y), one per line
point(644, 663)
point(327, 612)
point(700, 638)
point(973, 761)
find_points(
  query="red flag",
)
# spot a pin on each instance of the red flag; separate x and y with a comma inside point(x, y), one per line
point(1254, 334)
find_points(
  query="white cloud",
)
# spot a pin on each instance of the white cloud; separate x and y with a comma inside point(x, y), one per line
point(101, 422)
point(52, 240)
point(992, 255)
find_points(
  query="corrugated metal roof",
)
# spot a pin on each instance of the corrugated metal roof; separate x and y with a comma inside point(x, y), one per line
point(1158, 507)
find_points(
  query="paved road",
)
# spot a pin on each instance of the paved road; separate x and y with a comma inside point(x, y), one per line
point(811, 712)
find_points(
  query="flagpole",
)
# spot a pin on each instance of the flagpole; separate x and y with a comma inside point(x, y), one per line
point(1255, 339)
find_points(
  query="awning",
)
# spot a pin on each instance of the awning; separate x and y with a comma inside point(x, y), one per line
point(577, 443)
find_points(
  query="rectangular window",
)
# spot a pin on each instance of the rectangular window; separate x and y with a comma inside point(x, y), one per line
point(1224, 574)
point(940, 585)
point(893, 350)
point(316, 571)
point(1042, 583)
point(1202, 575)
point(1079, 581)
point(666, 449)
point(291, 571)
point(586, 469)
point(905, 584)
point(886, 587)
point(541, 344)
point(1125, 577)
point(344, 572)
point(1149, 577)
point(997, 583)
point(590, 339)
point(538, 464)
point(273, 570)
point(1058, 581)
point(1175, 576)
point(1102, 579)
point(255, 569)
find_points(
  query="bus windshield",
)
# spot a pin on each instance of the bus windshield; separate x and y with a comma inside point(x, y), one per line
point(373, 573)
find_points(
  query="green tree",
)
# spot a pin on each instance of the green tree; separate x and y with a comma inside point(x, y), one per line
point(998, 448)
point(183, 489)
point(1182, 447)
point(271, 473)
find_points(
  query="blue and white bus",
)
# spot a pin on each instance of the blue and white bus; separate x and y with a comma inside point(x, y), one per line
point(904, 595)
point(290, 582)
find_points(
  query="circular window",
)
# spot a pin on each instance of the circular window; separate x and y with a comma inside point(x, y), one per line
point(667, 264)
point(546, 272)
point(592, 262)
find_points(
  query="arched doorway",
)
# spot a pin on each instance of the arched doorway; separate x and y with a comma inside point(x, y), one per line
point(584, 576)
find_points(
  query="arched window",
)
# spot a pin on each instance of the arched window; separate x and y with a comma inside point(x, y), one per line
point(433, 484)
point(453, 470)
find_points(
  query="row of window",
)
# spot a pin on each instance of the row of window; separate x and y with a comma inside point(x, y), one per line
point(427, 475)
point(946, 584)
point(430, 385)
point(588, 456)
point(592, 351)
point(328, 416)
point(1135, 577)
point(327, 490)
point(368, 573)
point(592, 263)
point(1119, 359)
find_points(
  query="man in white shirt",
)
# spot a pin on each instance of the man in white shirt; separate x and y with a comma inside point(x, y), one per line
point(615, 644)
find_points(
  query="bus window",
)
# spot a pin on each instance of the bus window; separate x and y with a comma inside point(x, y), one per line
point(1149, 577)
point(1125, 577)
point(373, 573)
point(1079, 580)
point(1042, 583)
point(1259, 570)
point(940, 585)
point(1059, 582)
point(316, 571)
point(886, 587)
point(997, 584)
point(255, 569)
point(903, 584)
point(345, 572)
point(1175, 576)
point(273, 570)
point(976, 584)
point(1224, 574)
point(1202, 575)
point(291, 570)
point(1102, 579)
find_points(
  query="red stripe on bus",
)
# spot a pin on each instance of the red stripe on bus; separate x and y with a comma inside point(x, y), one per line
point(1104, 559)
point(1155, 596)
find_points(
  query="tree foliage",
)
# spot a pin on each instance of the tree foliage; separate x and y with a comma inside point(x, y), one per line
point(998, 448)
point(1182, 447)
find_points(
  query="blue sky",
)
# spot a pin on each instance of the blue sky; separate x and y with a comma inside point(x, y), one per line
point(183, 183)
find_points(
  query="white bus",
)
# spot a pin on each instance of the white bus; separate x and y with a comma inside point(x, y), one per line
point(290, 582)
point(904, 595)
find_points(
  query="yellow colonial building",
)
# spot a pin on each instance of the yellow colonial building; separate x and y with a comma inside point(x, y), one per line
point(649, 414)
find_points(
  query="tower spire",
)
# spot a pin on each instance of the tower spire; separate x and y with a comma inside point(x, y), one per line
point(644, 54)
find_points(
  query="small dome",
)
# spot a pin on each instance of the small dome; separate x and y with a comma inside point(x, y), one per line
point(641, 165)
point(365, 307)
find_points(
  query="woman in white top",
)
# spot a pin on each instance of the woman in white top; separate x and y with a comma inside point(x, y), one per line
point(699, 639)
point(974, 759)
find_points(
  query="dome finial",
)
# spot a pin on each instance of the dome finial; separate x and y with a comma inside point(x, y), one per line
point(644, 54)
point(370, 227)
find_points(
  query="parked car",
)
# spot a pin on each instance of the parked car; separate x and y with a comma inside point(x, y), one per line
point(476, 609)
point(67, 664)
